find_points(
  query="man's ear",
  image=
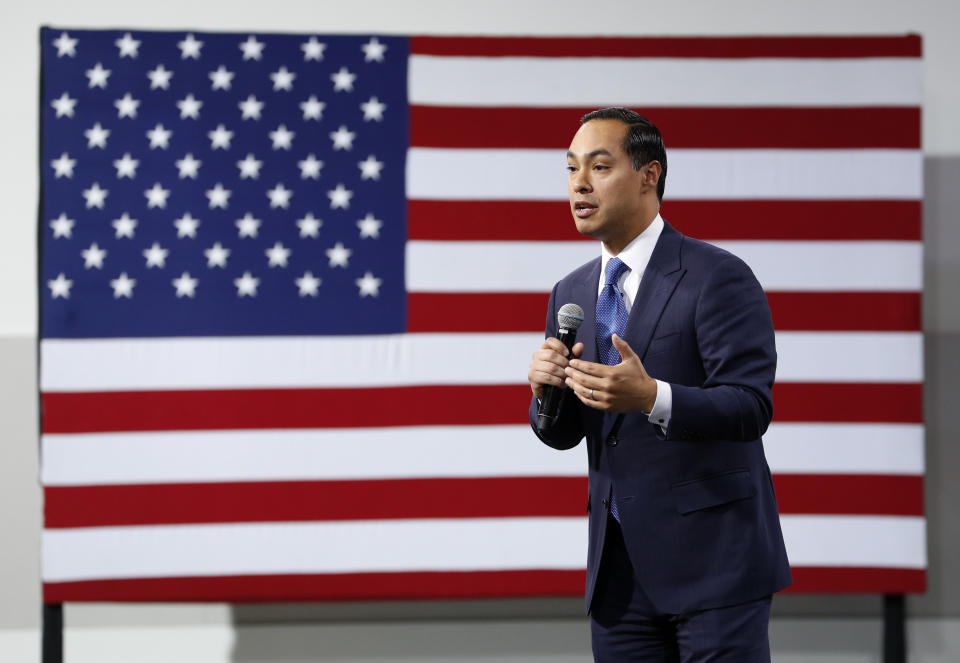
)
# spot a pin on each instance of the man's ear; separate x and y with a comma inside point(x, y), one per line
point(651, 173)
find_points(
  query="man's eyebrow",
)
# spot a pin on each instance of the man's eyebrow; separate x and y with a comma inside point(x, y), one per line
point(595, 153)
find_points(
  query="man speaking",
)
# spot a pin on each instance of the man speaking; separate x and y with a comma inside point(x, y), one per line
point(670, 384)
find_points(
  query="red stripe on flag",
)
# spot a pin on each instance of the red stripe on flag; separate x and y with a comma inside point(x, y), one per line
point(845, 311)
point(436, 585)
point(848, 402)
point(70, 412)
point(740, 128)
point(325, 587)
point(857, 580)
point(859, 494)
point(672, 47)
point(282, 408)
point(792, 311)
point(165, 504)
point(389, 499)
point(492, 220)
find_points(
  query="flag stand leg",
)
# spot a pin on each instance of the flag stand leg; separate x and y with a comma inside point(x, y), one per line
point(894, 629)
point(52, 633)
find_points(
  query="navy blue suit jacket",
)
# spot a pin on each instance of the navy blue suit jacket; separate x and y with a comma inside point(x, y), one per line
point(696, 504)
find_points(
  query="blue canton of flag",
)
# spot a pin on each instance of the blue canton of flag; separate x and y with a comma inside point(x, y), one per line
point(222, 184)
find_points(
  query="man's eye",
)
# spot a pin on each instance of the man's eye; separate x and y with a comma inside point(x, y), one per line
point(571, 169)
point(600, 166)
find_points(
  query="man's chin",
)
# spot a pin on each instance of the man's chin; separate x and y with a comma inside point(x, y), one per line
point(589, 228)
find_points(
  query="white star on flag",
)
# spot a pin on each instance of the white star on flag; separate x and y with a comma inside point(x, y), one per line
point(62, 226)
point(218, 196)
point(310, 167)
point(309, 226)
point(312, 108)
point(370, 168)
point(221, 78)
point(66, 45)
point(93, 256)
point(250, 108)
point(63, 166)
point(248, 225)
point(98, 76)
point(124, 226)
point(160, 77)
point(282, 138)
point(338, 255)
point(252, 49)
point(126, 166)
point(190, 47)
point(369, 285)
point(156, 256)
point(186, 285)
point(279, 196)
point(128, 46)
point(217, 255)
point(126, 106)
point(60, 286)
point(340, 197)
point(312, 49)
point(95, 196)
point(64, 105)
point(308, 284)
point(369, 226)
point(373, 50)
point(123, 286)
point(373, 109)
point(188, 166)
point(189, 107)
point(343, 80)
point(342, 138)
point(186, 226)
point(220, 138)
point(246, 285)
point(96, 136)
point(159, 137)
point(157, 196)
point(278, 255)
point(249, 167)
point(282, 79)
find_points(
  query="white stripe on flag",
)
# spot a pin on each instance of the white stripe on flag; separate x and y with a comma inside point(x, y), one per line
point(348, 547)
point(728, 174)
point(411, 359)
point(436, 266)
point(423, 545)
point(531, 81)
point(889, 541)
point(85, 459)
point(840, 448)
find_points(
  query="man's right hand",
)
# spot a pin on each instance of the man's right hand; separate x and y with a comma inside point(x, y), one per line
point(548, 363)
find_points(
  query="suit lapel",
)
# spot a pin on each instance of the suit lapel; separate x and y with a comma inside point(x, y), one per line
point(585, 294)
point(659, 281)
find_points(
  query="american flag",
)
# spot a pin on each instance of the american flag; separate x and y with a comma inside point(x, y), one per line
point(290, 285)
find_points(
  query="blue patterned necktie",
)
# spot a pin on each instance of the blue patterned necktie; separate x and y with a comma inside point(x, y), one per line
point(611, 319)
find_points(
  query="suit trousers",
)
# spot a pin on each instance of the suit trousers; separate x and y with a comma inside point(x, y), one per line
point(626, 626)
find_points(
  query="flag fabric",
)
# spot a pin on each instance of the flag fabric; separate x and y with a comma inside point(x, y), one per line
point(290, 286)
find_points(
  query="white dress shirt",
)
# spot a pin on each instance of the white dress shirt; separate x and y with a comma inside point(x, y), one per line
point(636, 256)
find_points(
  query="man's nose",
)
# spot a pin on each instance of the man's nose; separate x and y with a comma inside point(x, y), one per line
point(581, 182)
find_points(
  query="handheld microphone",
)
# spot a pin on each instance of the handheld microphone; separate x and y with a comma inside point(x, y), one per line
point(569, 319)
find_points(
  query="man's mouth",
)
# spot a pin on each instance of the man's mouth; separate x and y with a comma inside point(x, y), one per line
point(583, 209)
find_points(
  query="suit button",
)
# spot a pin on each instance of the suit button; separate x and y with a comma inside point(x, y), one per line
point(613, 440)
point(605, 502)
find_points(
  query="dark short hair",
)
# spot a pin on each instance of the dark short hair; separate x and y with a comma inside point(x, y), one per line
point(643, 142)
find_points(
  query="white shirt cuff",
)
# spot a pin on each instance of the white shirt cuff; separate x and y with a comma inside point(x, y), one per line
point(662, 406)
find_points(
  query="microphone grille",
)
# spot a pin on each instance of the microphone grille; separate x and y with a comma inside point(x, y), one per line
point(570, 316)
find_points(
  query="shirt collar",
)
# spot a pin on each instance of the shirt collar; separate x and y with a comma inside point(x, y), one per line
point(637, 253)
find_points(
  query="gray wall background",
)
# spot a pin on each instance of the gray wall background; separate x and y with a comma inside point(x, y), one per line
point(842, 628)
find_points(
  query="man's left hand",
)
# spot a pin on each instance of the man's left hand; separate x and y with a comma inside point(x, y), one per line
point(625, 387)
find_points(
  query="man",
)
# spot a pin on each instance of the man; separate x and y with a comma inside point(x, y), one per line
point(671, 387)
